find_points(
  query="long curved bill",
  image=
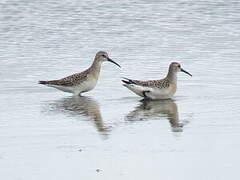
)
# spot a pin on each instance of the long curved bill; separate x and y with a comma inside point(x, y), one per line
point(185, 72)
point(113, 62)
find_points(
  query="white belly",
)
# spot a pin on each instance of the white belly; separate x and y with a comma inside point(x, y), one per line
point(152, 93)
point(84, 87)
point(78, 89)
point(162, 93)
point(159, 95)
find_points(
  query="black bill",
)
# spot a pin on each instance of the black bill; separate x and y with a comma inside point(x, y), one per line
point(186, 72)
point(113, 62)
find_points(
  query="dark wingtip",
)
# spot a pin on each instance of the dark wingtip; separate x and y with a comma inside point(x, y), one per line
point(126, 82)
point(42, 82)
point(125, 78)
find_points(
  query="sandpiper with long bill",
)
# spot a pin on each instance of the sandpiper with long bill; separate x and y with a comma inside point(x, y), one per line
point(84, 81)
point(157, 89)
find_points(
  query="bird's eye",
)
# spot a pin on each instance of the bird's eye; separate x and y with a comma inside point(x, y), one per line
point(103, 55)
point(179, 66)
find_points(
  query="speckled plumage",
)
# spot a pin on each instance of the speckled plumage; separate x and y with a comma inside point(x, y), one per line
point(71, 80)
point(83, 81)
point(156, 89)
point(163, 83)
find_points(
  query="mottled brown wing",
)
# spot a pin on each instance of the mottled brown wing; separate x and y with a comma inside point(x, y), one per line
point(71, 80)
point(163, 83)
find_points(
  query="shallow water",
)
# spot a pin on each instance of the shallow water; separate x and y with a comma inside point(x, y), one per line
point(110, 133)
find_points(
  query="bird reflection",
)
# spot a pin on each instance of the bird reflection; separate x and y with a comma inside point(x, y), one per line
point(155, 109)
point(85, 106)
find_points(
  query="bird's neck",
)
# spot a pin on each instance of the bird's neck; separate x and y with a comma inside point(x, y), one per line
point(96, 67)
point(96, 64)
point(172, 76)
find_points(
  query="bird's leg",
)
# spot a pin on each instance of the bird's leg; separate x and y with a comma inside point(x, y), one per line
point(144, 94)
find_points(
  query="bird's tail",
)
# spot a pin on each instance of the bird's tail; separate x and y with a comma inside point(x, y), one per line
point(127, 81)
point(131, 85)
point(42, 82)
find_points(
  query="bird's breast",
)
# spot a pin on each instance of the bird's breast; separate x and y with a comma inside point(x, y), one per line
point(90, 84)
point(172, 89)
point(163, 93)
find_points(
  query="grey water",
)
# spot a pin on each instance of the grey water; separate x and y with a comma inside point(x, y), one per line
point(109, 133)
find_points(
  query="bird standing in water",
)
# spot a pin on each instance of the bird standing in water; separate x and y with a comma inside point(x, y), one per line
point(84, 81)
point(157, 89)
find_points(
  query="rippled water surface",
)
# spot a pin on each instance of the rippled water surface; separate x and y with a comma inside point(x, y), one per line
point(110, 133)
